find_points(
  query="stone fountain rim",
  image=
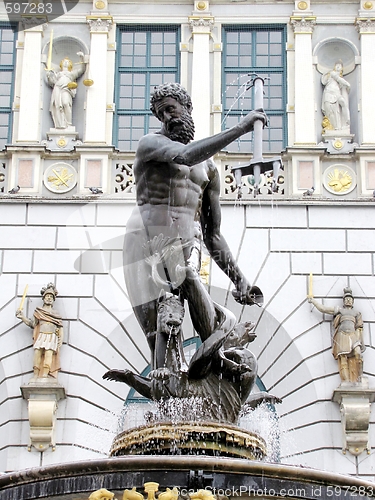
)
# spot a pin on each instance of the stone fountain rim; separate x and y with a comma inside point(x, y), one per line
point(181, 463)
point(245, 444)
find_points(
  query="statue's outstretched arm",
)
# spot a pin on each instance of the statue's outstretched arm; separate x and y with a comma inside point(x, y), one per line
point(202, 150)
point(157, 147)
point(321, 307)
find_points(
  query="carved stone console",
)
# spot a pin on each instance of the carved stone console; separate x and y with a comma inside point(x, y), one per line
point(355, 407)
point(42, 397)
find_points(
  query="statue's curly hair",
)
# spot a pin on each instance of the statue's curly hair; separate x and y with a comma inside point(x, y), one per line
point(174, 90)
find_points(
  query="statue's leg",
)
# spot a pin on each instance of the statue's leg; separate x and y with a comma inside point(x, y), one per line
point(66, 101)
point(47, 362)
point(142, 291)
point(344, 111)
point(37, 362)
point(355, 365)
point(343, 368)
point(202, 310)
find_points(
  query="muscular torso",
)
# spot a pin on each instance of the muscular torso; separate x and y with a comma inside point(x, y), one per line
point(169, 195)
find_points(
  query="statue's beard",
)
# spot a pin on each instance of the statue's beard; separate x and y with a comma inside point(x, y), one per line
point(181, 129)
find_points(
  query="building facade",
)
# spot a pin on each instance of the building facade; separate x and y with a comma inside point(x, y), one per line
point(316, 59)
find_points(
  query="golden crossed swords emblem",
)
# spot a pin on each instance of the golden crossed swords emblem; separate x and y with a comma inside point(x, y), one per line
point(61, 177)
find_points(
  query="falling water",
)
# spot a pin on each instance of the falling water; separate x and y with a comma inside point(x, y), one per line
point(264, 421)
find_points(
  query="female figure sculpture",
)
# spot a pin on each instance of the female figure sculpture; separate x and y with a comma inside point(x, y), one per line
point(64, 90)
point(335, 102)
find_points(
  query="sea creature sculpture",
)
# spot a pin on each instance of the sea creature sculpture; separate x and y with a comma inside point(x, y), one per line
point(221, 374)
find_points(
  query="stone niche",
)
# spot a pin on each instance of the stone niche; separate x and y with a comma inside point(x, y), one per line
point(326, 54)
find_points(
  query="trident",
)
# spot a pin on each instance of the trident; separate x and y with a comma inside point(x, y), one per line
point(258, 164)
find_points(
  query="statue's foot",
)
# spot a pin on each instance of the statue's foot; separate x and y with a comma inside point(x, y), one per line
point(160, 374)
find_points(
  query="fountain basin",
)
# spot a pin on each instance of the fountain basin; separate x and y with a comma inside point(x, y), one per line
point(190, 438)
point(218, 475)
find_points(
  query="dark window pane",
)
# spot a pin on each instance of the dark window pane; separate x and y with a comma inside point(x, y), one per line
point(6, 82)
point(144, 56)
point(254, 51)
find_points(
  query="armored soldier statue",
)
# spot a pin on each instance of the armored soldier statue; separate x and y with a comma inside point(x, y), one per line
point(347, 341)
point(47, 336)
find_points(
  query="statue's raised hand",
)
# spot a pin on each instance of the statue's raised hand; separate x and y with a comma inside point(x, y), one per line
point(247, 123)
point(248, 295)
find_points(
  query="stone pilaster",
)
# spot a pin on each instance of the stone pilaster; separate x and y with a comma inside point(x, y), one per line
point(200, 86)
point(366, 29)
point(96, 101)
point(30, 98)
point(304, 102)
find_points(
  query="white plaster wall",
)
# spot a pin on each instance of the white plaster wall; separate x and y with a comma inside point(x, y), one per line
point(79, 246)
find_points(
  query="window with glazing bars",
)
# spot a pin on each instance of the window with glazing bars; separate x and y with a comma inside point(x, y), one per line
point(249, 50)
point(146, 57)
point(7, 57)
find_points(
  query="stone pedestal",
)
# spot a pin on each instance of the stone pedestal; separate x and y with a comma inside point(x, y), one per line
point(339, 141)
point(355, 406)
point(42, 396)
point(62, 139)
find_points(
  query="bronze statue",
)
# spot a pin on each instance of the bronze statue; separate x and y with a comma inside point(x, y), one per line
point(178, 208)
point(48, 334)
point(347, 341)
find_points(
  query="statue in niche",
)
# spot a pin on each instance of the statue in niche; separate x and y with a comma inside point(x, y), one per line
point(64, 90)
point(178, 210)
point(347, 341)
point(335, 101)
point(48, 335)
